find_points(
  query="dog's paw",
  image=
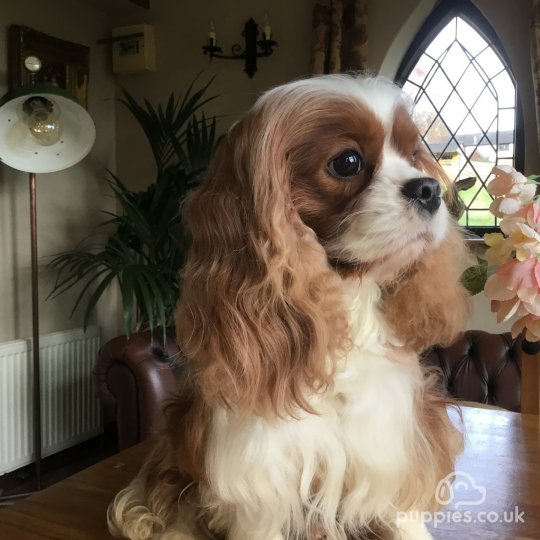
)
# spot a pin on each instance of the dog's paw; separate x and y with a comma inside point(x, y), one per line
point(416, 532)
point(413, 528)
point(128, 517)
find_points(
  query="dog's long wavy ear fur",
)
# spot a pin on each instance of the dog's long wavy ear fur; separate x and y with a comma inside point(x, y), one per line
point(261, 311)
point(428, 305)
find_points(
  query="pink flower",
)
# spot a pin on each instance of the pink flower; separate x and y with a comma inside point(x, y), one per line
point(500, 249)
point(527, 242)
point(509, 182)
point(521, 274)
point(514, 289)
point(531, 214)
point(522, 237)
point(531, 325)
point(505, 206)
point(511, 191)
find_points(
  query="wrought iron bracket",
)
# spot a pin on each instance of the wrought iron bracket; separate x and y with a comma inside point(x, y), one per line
point(252, 50)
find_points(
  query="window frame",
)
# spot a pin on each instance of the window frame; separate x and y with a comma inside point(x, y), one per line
point(441, 15)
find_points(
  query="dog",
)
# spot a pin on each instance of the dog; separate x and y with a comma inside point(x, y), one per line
point(323, 262)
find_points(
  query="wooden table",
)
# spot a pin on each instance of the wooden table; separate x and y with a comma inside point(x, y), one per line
point(502, 456)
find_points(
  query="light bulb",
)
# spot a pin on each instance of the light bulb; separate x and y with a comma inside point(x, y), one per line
point(42, 122)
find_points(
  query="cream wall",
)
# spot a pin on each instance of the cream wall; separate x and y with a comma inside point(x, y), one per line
point(181, 30)
point(69, 201)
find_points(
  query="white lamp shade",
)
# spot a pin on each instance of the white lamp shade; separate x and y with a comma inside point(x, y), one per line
point(19, 150)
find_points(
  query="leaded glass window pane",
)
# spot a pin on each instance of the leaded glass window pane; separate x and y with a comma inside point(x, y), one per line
point(465, 110)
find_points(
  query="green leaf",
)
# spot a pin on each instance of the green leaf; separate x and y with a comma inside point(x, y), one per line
point(126, 286)
point(145, 243)
point(96, 295)
point(148, 301)
point(85, 288)
point(474, 278)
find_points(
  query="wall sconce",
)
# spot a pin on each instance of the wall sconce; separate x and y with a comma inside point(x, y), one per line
point(253, 48)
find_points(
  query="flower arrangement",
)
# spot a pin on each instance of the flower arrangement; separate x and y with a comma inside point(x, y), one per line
point(514, 287)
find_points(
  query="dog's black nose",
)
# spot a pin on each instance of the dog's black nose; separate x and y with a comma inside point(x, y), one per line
point(425, 193)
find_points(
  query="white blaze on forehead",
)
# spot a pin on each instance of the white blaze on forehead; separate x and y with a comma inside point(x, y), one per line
point(396, 167)
point(380, 95)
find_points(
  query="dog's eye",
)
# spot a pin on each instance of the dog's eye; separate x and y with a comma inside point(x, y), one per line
point(414, 157)
point(346, 165)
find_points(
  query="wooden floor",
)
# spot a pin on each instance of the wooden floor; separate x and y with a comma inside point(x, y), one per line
point(75, 508)
point(61, 465)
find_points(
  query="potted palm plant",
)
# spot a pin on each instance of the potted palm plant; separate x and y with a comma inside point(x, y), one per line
point(145, 249)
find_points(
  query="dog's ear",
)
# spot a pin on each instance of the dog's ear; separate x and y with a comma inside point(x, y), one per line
point(261, 311)
point(428, 305)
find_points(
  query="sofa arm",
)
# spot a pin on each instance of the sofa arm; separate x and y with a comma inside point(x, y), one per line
point(134, 377)
point(481, 367)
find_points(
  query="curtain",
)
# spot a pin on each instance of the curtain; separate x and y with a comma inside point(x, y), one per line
point(339, 36)
point(535, 61)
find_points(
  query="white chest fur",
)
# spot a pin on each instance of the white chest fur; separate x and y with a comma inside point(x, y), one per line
point(339, 468)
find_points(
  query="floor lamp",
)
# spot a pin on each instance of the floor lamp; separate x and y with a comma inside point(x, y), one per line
point(42, 130)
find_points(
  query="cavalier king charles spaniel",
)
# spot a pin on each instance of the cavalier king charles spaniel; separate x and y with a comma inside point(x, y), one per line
point(323, 263)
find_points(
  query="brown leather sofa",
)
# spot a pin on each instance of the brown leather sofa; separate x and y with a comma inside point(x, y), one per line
point(481, 367)
point(135, 376)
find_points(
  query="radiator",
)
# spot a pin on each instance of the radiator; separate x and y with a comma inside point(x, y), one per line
point(70, 411)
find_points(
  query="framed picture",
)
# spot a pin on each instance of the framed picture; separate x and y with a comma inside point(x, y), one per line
point(64, 64)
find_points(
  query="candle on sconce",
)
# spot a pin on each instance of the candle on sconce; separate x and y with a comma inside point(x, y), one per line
point(257, 44)
point(267, 29)
point(212, 39)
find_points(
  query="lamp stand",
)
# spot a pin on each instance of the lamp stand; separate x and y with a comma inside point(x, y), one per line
point(35, 330)
point(58, 146)
point(36, 377)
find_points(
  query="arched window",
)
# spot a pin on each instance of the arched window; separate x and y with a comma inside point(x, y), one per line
point(467, 107)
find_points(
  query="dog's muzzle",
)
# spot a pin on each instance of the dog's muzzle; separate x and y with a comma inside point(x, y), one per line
point(424, 193)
